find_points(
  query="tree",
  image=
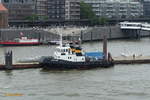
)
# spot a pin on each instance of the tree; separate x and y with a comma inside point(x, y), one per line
point(43, 18)
point(86, 11)
point(33, 17)
point(103, 20)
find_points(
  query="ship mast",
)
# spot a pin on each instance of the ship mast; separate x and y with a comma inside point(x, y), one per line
point(60, 34)
point(61, 39)
point(105, 47)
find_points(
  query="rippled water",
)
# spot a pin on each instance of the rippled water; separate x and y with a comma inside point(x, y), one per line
point(121, 82)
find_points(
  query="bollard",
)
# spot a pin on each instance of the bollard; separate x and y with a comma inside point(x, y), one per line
point(8, 60)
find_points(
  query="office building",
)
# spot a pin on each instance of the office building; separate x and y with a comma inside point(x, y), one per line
point(3, 16)
point(116, 8)
point(19, 9)
point(72, 9)
point(146, 8)
point(41, 8)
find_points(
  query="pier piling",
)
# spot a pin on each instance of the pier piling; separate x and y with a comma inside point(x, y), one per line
point(105, 48)
point(8, 60)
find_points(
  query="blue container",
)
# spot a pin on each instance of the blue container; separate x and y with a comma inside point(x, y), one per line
point(97, 55)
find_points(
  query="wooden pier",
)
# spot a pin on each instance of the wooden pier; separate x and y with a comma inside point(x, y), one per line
point(131, 59)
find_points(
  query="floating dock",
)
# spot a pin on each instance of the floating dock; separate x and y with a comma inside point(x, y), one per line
point(9, 65)
point(117, 60)
point(21, 66)
point(131, 60)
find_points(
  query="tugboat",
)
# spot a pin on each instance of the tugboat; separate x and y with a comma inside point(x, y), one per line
point(69, 56)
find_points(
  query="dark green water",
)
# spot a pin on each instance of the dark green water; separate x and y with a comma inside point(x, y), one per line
point(121, 82)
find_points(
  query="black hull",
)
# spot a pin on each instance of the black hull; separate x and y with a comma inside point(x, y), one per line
point(60, 64)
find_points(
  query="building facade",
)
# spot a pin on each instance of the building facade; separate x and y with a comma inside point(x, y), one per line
point(3, 16)
point(56, 9)
point(19, 9)
point(72, 9)
point(52, 9)
point(63, 9)
point(116, 9)
point(146, 8)
point(41, 8)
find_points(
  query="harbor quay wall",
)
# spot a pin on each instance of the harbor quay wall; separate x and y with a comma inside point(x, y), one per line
point(90, 34)
point(12, 34)
point(112, 32)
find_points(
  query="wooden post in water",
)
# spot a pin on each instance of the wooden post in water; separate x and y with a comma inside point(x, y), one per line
point(8, 60)
point(81, 35)
point(39, 36)
point(105, 47)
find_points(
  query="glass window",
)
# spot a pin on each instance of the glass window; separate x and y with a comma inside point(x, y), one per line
point(6, 1)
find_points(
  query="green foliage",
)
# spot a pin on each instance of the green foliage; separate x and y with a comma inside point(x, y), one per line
point(44, 18)
point(103, 20)
point(35, 17)
point(32, 17)
point(86, 11)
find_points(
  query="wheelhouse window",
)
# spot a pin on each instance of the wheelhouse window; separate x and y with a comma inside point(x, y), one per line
point(69, 57)
point(79, 54)
point(63, 54)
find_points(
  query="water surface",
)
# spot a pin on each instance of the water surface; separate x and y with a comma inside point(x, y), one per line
point(121, 82)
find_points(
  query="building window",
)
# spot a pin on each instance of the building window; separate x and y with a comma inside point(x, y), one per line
point(6, 1)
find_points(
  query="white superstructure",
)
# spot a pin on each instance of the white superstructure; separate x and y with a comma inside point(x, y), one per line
point(67, 53)
point(26, 40)
point(135, 25)
point(130, 25)
point(146, 26)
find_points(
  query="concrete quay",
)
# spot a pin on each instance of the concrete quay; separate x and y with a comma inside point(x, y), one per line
point(95, 33)
point(69, 33)
point(10, 34)
point(112, 33)
point(131, 60)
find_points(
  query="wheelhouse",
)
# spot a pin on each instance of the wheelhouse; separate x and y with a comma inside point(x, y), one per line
point(69, 53)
